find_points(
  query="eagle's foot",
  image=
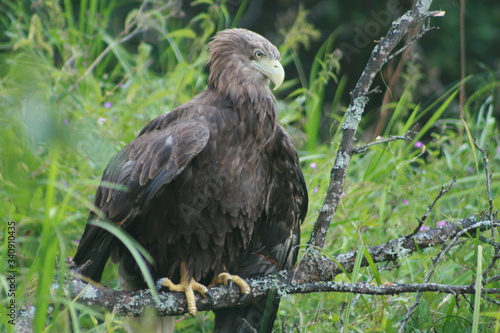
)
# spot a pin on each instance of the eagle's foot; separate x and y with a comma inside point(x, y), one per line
point(228, 280)
point(188, 286)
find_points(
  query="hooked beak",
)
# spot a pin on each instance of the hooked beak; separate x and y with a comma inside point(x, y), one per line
point(272, 69)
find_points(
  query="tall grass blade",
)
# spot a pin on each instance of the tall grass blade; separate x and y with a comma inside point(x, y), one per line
point(372, 265)
point(47, 252)
point(138, 252)
point(241, 10)
point(436, 115)
point(479, 287)
point(354, 279)
point(471, 142)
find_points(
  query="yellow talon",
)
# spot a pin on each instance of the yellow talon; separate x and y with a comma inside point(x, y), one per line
point(187, 285)
point(224, 278)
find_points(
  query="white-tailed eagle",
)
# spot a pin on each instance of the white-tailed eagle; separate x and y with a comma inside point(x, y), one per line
point(212, 190)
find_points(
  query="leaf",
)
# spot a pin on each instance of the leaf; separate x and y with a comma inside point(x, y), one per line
point(130, 18)
point(138, 252)
point(372, 265)
point(182, 33)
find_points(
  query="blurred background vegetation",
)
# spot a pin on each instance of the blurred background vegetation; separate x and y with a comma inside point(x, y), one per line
point(79, 79)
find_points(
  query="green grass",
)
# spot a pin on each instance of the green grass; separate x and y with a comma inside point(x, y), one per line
point(60, 126)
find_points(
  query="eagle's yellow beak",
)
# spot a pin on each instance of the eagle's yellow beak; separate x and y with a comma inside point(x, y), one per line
point(272, 69)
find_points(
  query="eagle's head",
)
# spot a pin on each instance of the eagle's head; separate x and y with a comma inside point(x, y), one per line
point(241, 61)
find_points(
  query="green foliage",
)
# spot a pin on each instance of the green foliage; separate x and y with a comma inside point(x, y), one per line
point(72, 93)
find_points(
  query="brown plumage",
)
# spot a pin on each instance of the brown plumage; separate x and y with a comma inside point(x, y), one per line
point(214, 183)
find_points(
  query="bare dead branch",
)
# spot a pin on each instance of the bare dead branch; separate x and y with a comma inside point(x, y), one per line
point(425, 29)
point(408, 136)
point(359, 99)
point(441, 193)
point(135, 303)
point(448, 245)
point(310, 276)
point(488, 174)
point(314, 277)
point(489, 299)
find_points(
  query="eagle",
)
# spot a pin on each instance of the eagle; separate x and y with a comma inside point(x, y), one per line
point(212, 190)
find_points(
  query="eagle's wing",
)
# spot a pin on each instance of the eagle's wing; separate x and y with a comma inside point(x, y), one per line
point(136, 174)
point(275, 241)
point(278, 235)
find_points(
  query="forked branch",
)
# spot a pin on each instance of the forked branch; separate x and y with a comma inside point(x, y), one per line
point(359, 99)
point(307, 278)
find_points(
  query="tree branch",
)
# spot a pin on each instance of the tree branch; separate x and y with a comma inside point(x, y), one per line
point(307, 278)
point(310, 276)
point(135, 303)
point(359, 99)
point(408, 136)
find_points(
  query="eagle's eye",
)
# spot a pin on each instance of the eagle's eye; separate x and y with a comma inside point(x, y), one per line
point(259, 54)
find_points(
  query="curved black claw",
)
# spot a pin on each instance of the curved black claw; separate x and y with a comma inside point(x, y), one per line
point(209, 296)
point(244, 297)
point(229, 285)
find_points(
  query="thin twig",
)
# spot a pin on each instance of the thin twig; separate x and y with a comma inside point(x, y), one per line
point(341, 315)
point(374, 91)
point(491, 265)
point(429, 274)
point(441, 193)
point(492, 279)
point(408, 136)
point(489, 299)
point(488, 174)
point(412, 41)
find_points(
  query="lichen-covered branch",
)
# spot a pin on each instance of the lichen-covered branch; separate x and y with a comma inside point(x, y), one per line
point(135, 303)
point(359, 99)
point(313, 276)
point(321, 268)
